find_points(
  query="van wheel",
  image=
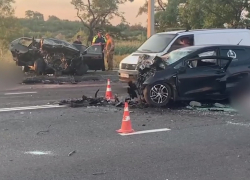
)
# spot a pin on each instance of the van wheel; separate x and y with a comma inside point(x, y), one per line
point(157, 94)
point(39, 66)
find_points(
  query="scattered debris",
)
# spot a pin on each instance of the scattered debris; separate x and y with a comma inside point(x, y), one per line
point(48, 82)
point(41, 132)
point(219, 105)
point(195, 104)
point(215, 109)
point(100, 101)
point(119, 104)
point(71, 153)
point(189, 107)
point(96, 93)
point(31, 81)
point(116, 98)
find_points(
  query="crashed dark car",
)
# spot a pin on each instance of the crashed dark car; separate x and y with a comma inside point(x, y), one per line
point(54, 56)
point(192, 73)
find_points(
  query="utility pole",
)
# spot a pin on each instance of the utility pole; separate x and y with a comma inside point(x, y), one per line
point(151, 18)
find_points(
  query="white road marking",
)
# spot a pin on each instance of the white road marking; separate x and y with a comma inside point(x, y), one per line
point(30, 108)
point(239, 124)
point(18, 93)
point(146, 131)
point(39, 152)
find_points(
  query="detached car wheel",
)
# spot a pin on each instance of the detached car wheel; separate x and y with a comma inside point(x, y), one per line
point(39, 66)
point(157, 94)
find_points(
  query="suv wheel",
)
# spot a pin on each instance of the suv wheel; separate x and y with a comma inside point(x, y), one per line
point(157, 94)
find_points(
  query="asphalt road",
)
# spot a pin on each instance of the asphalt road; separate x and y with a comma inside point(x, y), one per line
point(36, 143)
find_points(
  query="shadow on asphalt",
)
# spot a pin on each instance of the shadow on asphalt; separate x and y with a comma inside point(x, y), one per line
point(90, 76)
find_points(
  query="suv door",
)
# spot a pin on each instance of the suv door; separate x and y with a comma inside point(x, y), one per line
point(205, 78)
point(240, 65)
point(93, 57)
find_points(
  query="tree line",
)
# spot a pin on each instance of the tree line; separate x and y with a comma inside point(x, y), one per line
point(36, 26)
point(95, 15)
point(200, 14)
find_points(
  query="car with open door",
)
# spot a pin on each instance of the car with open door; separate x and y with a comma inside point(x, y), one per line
point(196, 73)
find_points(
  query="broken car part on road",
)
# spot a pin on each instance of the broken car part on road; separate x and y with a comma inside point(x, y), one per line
point(100, 101)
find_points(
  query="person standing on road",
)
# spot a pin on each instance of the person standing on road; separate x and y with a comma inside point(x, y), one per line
point(100, 40)
point(110, 48)
point(78, 40)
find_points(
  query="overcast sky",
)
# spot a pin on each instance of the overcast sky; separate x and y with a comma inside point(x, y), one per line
point(64, 10)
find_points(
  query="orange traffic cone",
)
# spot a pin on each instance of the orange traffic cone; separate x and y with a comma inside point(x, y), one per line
point(126, 123)
point(109, 95)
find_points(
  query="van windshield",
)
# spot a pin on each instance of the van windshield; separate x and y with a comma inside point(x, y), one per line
point(156, 43)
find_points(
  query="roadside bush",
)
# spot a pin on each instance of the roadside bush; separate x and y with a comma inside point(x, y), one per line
point(126, 47)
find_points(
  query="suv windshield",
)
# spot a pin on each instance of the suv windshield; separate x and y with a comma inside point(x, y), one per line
point(156, 43)
point(176, 55)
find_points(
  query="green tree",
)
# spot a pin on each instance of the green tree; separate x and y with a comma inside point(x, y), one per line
point(94, 14)
point(34, 15)
point(166, 13)
point(213, 13)
point(8, 23)
point(53, 18)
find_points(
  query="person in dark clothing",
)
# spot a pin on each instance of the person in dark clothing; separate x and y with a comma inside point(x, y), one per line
point(100, 40)
point(78, 40)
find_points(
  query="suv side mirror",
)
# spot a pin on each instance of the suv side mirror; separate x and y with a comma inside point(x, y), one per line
point(182, 69)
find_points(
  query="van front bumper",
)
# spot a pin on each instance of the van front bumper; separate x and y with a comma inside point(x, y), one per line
point(127, 75)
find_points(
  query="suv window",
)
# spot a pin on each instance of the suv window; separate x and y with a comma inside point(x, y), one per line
point(156, 43)
point(235, 53)
point(205, 62)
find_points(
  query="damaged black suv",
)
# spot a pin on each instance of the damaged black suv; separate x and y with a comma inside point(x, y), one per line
point(54, 56)
point(193, 73)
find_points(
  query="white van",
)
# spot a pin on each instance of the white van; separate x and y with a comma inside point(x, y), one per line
point(162, 43)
